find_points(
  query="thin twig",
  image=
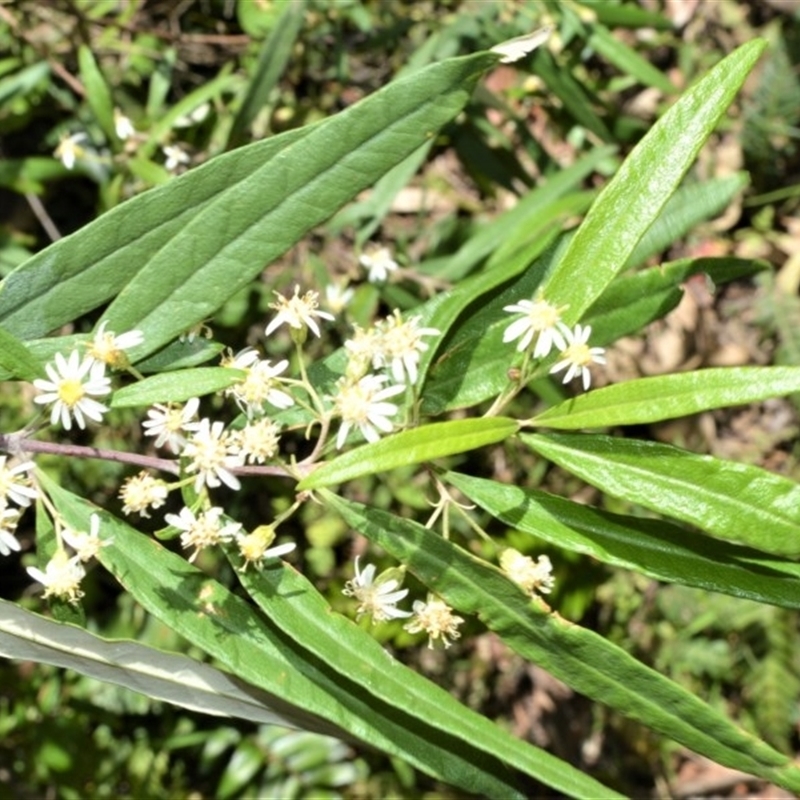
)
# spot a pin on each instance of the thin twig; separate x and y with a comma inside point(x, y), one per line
point(14, 444)
point(41, 214)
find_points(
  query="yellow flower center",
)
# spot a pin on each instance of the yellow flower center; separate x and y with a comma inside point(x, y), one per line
point(70, 392)
point(578, 354)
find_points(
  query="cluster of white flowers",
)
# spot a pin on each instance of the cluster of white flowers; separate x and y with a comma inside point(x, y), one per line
point(73, 147)
point(393, 344)
point(64, 572)
point(378, 596)
point(383, 362)
point(542, 321)
point(211, 454)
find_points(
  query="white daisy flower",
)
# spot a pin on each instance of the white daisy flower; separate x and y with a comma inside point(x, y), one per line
point(69, 150)
point(202, 531)
point(15, 483)
point(363, 405)
point(577, 355)
point(437, 619)
point(123, 127)
point(71, 381)
point(256, 546)
point(376, 598)
point(61, 577)
point(109, 348)
point(338, 297)
point(168, 423)
point(141, 492)
point(531, 576)
point(86, 545)
point(175, 157)
point(258, 441)
point(378, 262)
point(212, 454)
point(399, 346)
point(261, 385)
point(541, 319)
point(297, 312)
point(362, 349)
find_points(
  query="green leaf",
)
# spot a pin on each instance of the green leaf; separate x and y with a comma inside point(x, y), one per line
point(561, 83)
point(275, 54)
point(17, 359)
point(493, 237)
point(98, 95)
point(579, 657)
point(473, 361)
point(413, 446)
point(22, 82)
point(655, 548)
point(344, 698)
point(731, 501)
point(686, 208)
point(181, 355)
point(633, 301)
point(175, 387)
point(81, 271)
point(176, 679)
point(627, 60)
point(625, 15)
point(162, 126)
point(174, 255)
point(635, 196)
point(292, 604)
point(647, 400)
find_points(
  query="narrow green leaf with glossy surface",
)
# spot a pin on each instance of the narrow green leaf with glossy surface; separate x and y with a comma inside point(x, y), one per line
point(343, 698)
point(731, 501)
point(293, 604)
point(414, 446)
point(662, 550)
point(177, 386)
point(650, 174)
point(633, 301)
point(581, 658)
point(98, 95)
point(174, 255)
point(663, 397)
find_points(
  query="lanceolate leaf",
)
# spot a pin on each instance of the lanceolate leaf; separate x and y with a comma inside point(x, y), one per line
point(177, 386)
point(666, 397)
point(650, 174)
point(353, 694)
point(16, 359)
point(686, 208)
point(292, 604)
point(632, 301)
point(174, 254)
point(165, 676)
point(581, 658)
point(656, 548)
point(411, 447)
point(83, 270)
point(732, 501)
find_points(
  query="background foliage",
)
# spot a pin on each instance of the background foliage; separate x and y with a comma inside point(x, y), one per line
point(210, 77)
